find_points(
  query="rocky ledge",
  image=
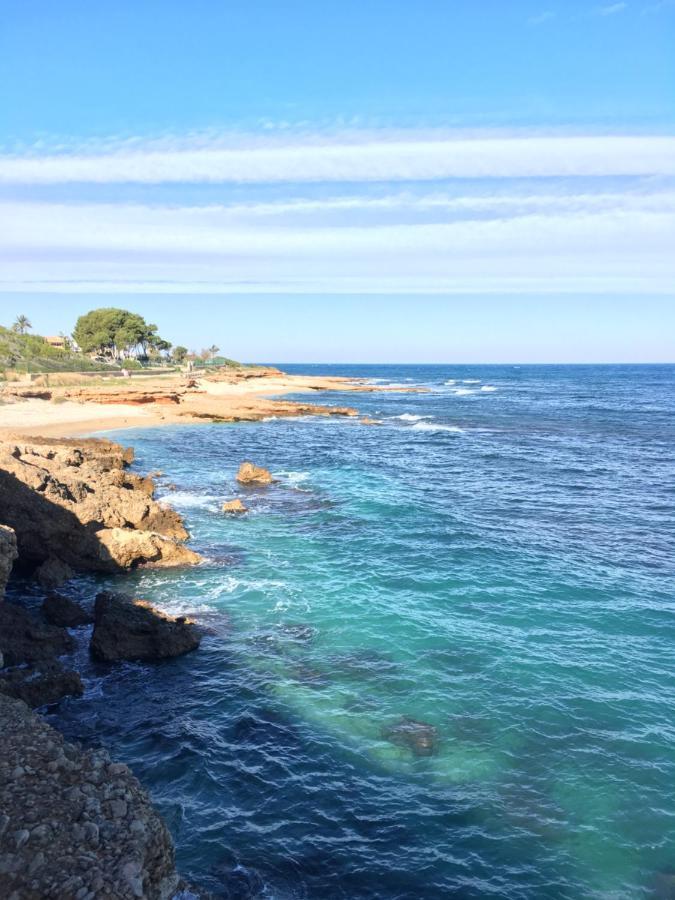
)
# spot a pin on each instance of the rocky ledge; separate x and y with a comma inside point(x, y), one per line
point(73, 824)
point(73, 505)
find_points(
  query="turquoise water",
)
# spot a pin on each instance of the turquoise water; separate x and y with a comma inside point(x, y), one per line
point(500, 570)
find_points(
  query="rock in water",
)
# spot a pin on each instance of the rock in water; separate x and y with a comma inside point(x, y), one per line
point(24, 638)
point(419, 737)
point(53, 572)
point(48, 683)
point(63, 611)
point(234, 507)
point(128, 628)
point(8, 554)
point(251, 474)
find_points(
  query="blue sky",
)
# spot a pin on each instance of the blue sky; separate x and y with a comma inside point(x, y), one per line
point(340, 160)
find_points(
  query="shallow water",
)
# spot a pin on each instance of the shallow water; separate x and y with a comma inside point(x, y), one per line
point(495, 560)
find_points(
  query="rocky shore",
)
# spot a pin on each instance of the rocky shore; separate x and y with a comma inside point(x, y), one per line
point(73, 824)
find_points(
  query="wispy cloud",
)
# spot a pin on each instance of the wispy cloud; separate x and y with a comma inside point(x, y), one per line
point(610, 10)
point(541, 18)
point(351, 158)
point(371, 213)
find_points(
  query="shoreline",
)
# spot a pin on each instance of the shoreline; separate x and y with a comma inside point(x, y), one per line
point(62, 410)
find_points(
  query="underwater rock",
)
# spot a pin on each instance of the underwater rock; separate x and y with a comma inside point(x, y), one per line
point(24, 638)
point(60, 610)
point(234, 507)
point(366, 420)
point(45, 684)
point(298, 632)
point(419, 737)
point(249, 473)
point(128, 628)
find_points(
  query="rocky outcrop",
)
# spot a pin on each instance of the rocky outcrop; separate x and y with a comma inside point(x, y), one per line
point(8, 554)
point(420, 738)
point(25, 638)
point(41, 685)
point(251, 474)
point(53, 572)
point(72, 823)
point(73, 503)
point(234, 507)
point(64, 612)
point(128, 628)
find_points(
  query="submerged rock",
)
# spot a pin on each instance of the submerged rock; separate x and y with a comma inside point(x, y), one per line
point(251, 474)
point(419, 737)
point(8, 553)
point(25, 638)
point(234, 507)
point(60, 610)
point(47, 683)
point(128, 628)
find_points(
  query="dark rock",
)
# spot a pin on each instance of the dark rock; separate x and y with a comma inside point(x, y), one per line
point(298, 632)
point(128, 628)
point(26, 638)
point(8, 554)
point(41, 686)
point(53, 572)
point(63, 611)
point(419, 737)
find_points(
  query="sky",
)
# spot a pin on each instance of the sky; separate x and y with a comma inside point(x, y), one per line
point(335, 175)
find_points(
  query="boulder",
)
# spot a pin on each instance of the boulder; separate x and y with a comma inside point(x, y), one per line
point(53, 572)
point(251, 474)
point(41, 686)
point(62, 611)
point(127, 548)
point(24, 638)
point(8, 554)
point(234, 507)
point(129, 628)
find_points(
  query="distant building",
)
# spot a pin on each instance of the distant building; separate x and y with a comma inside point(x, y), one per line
point(58, 342)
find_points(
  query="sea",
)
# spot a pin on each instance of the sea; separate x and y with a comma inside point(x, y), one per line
point(439, 652)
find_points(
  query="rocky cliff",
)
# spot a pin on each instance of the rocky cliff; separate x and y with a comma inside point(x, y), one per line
point(72, 503)
point(8, 554)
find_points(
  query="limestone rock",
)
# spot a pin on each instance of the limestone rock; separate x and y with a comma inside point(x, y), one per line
point(8, 554)
point(45, 684)
point(419, 737)
point(53, 572)
point(24, 638)
point(251, 474)
point(62, 611)
point(128, 628)
point(234, 507)
point(68, 502)
point(67, 847)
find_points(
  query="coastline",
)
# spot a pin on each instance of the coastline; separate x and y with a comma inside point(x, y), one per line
point(66, 411)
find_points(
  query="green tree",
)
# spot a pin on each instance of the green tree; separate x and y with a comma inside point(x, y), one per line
point(114, 333)
point(21, 324)
point(213, 350)
point(179, 353)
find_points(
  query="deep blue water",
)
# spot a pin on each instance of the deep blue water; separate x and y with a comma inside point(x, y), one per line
point(497, 561)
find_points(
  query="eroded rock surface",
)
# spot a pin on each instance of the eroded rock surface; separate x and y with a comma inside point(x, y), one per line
point(249, 473)
point(8, 554)
point(25, 638)
point(64, 612)
point(73, 504)
point(128, 628)
point(234, 507)
point(72, 823)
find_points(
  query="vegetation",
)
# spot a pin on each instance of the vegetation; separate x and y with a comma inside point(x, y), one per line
point(179, 353)
point(31, 353)
point(117, 333)
point(21, 325)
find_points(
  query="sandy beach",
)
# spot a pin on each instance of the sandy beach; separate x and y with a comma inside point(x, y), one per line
point(80, 407)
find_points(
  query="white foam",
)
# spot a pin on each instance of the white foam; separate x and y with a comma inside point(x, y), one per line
point(430, 426)
point(488, 388)
point(462, 392)
point(411, 417)
point(187, 499)
point(471, 381)
point(293, 478)
point(451, 381)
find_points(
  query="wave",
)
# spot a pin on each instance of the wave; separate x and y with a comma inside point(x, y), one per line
point(411, 417)
point(462, 392)
point(471, 381)
point(450, 381)
point(188, 499)
point(293, 478)
point(488, 388)
point(431, 426)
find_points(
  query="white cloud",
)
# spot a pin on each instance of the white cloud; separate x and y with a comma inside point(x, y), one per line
point(546, 16)
point(610, 10)
point(372, 158)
